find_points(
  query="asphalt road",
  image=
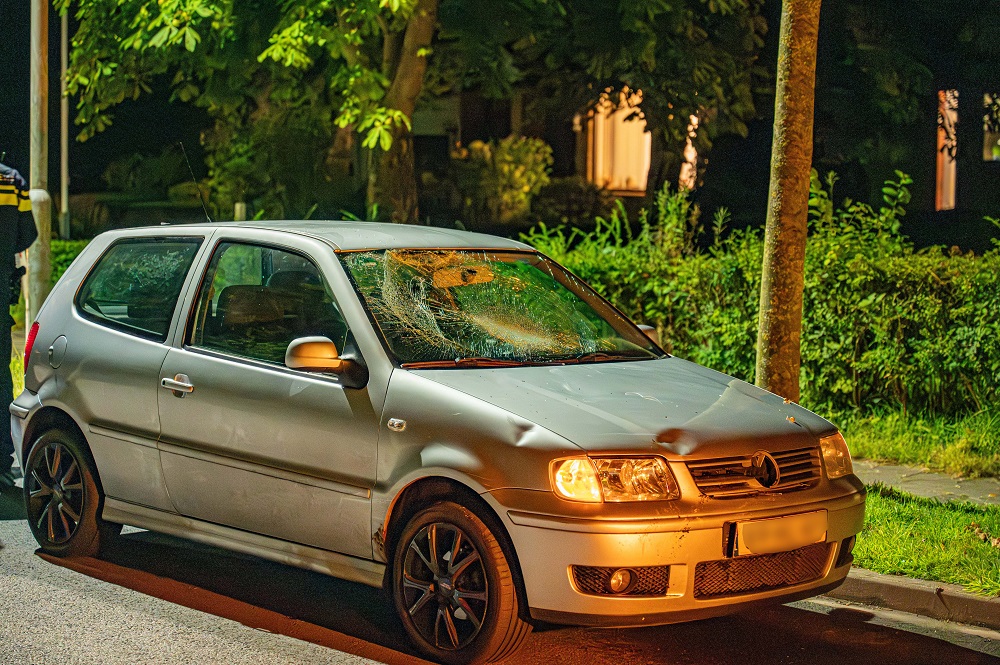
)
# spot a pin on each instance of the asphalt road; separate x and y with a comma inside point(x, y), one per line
point(163, 600)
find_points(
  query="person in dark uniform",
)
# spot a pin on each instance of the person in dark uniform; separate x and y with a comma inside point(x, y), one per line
point(17, 232)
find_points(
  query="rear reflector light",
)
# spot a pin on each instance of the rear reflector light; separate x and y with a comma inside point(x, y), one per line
point(29, 342)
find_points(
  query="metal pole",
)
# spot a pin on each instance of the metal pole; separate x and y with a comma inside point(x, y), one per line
point(41, 202)
point(64, 230)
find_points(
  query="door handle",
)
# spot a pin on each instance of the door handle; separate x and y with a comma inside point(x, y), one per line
point(180, 385)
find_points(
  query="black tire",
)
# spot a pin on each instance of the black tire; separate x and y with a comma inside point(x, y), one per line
point(62, 497)
point(456, 613)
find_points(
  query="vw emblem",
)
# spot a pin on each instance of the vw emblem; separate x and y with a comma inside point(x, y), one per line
point(764, 469)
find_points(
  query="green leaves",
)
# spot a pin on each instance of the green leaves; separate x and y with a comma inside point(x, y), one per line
point(498, 179)
point(170, 22)
point(378, 124)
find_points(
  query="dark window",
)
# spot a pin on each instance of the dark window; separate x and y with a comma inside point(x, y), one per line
point(135, 285)
point(255, 300)
point(991, 127)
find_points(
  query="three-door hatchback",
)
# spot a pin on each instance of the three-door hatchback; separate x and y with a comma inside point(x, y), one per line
point(450, 415)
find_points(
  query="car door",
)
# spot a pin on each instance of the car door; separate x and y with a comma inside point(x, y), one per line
point(248, 443)
point(108, 354)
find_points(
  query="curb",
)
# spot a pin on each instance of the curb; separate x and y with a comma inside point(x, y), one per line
point(937, 600)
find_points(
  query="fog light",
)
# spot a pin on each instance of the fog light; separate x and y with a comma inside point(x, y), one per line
point(620, 580)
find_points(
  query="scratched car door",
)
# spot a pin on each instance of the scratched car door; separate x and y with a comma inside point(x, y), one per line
point(247, 442)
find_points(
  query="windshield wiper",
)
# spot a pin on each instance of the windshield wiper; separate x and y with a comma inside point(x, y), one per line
point(601, 357)
point(470, 361)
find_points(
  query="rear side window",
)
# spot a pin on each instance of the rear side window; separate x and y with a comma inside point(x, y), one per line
point(135, 285)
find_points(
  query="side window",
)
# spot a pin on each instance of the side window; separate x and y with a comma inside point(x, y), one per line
point(255, 300)
point(135, 285)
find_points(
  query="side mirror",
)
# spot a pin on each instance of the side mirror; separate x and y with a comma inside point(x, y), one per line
point(651, 333)
point(319, 354)
point(313, 354)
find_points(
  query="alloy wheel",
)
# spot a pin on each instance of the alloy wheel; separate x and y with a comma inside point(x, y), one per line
point(56, 492)
point(445, 588)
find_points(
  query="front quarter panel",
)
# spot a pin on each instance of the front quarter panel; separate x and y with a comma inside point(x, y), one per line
point(453, 435)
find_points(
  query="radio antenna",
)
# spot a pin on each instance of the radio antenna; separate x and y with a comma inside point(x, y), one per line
point(201, 197)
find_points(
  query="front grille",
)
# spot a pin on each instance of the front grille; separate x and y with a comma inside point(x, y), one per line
point(650, 580)
point(727, 477)
point(760, 572)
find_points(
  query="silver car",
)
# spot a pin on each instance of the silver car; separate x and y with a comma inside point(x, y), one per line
point(449, 415)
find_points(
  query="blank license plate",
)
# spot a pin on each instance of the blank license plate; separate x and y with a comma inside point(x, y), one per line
point(780, 534)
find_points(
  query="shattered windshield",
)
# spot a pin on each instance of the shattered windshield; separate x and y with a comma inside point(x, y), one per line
point(442, 308)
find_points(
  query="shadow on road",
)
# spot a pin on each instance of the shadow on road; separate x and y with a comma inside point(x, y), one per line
point(11, 504)
point(260, 594)
point(355, 619)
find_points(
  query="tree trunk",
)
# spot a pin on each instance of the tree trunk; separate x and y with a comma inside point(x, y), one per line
point(779, 334)
point(392, 183)
point(664, 167)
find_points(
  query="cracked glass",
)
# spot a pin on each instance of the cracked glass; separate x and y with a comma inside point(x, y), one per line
point(135, 285)
point(444, 308)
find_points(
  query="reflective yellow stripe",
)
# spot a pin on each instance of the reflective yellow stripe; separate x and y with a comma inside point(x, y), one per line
point(12, 197)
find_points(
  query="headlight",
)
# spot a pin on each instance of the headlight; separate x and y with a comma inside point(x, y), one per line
point(613, 479)
point(836, 456)
point(576, 479)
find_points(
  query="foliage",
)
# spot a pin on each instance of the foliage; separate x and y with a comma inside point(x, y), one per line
point(885, 327)
point(63, 253)
point(924, 538)
point(120, 44)
point(146, 176)
point(17, 372)
point(991, 113)
point(498, 179)
point(573, 200)
point(286, 84)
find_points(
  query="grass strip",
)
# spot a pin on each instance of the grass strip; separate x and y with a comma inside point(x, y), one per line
point(953, 542)
point(967, 446)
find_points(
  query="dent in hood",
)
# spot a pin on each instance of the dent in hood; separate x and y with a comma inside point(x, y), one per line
point(667, 405)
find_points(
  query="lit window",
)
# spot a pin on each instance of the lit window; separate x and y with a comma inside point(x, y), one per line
point(947, 149)
point(618, 145)
point(991, 127)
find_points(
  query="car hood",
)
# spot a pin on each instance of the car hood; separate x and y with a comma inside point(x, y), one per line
point(668, 405)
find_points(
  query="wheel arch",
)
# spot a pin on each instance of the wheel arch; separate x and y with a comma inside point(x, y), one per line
point(46, 418)
point(52, 417)
point(427, 491)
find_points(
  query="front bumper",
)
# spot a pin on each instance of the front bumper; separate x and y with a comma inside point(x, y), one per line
point(548, 547)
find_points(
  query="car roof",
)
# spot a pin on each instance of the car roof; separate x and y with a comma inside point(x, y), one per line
point(352, 236)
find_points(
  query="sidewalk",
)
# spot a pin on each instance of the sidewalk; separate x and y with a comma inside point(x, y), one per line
point(933, 599)
point(922, 482)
